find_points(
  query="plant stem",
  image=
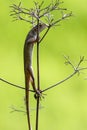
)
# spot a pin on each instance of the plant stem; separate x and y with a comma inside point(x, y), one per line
point(38, 77)
point(37, 112)
point(38, 68)
point(38, 87)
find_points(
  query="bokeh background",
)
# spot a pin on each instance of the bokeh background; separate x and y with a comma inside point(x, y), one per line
point(64, 107)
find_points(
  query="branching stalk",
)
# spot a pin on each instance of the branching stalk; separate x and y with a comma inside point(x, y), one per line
point(38, 75)
point(34, 16)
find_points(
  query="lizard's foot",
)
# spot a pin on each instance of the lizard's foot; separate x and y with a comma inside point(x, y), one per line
point(38, 94)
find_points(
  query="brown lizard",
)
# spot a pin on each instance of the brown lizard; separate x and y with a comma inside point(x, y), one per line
point(29, 76)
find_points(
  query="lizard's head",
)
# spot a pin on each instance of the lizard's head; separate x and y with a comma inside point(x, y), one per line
point(42, 26)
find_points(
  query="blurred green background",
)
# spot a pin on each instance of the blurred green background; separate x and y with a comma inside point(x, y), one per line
point(64, 107)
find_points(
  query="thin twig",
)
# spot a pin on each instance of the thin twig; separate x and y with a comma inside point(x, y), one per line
point(69, 62)
point(14, 85)
point(17, 110)
point(70, 76)
point(62, 18)
point(20, 12)
point(67, 78)
point(44, 34)
point(76, 69)
point(51, 7)
point(80, 61)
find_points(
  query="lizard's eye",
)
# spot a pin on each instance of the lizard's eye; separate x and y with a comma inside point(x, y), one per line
point(40, 25)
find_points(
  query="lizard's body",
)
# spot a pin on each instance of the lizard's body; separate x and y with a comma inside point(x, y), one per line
point(29, 76)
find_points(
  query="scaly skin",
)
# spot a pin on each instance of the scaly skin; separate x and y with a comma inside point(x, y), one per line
point(29, 76)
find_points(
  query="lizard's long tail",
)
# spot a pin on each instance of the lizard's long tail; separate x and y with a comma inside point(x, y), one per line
point(27, 101)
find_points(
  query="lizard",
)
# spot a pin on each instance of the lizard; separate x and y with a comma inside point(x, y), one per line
point(30, 40)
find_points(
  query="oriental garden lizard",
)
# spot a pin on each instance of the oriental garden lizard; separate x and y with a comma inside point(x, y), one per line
point(30, 40)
